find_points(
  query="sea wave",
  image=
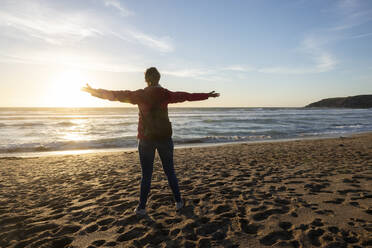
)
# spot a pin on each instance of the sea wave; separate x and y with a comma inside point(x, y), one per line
point(37, 124)
point(120, 142)
point(71, 145)
point(66, 123)
point(127, 123)
point(48, 130)
point(72, 117)
point(27, 124)
point(240, 120)
point(219, 139)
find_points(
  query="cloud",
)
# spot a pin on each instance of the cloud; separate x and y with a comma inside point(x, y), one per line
point(83, 63)
point(117, 5)
point(315, 44)
point(357, 36)
point(34, 20)
point(188, 72)
point(163, 44)
point(351, 13)
point(45, 23)
point(348, 14)
point(203, 73)
point(323, 62)
point(348, 5)
point(240, 68)
point(36, 32)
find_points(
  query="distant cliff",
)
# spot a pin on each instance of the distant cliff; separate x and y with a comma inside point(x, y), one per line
point(361, 101)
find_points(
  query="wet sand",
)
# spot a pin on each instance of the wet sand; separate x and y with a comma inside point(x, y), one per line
point(309, 193)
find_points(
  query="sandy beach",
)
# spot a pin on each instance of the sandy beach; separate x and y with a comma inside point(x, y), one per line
point(309, 193)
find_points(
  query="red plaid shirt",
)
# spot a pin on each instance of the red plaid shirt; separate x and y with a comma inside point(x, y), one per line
point(156, 93)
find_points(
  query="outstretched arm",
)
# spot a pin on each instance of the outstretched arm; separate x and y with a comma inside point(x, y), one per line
point(121, 95)
point(213, 94)
point(100, 93)
point(175, 97)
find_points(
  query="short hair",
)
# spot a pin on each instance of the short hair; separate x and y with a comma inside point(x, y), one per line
point(152, 76)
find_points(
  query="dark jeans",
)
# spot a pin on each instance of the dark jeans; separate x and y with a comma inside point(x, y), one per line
point(146, 149)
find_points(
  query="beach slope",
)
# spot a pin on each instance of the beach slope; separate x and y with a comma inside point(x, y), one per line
point(309, 193)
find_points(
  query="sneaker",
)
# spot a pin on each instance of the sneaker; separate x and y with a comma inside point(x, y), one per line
point(179, 205)
point(140, 211)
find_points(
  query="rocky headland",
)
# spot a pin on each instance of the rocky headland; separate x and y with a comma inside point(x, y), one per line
point(360, 101)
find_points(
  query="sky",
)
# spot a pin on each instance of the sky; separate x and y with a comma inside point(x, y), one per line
point(256, 53)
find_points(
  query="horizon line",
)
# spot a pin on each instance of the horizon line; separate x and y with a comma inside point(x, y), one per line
point(2, 107)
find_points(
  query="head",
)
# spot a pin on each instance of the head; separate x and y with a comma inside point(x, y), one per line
point(152, 76)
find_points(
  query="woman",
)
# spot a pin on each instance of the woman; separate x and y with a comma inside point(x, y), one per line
point(154, 128)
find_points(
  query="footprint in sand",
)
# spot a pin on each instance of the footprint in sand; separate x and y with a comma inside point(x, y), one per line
point(314, 235)
point(132, 234)
point(249, 228)
point(273, 237)
point(265, 214)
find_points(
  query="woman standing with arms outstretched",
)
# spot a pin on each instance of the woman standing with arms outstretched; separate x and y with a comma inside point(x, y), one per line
point(154, 128)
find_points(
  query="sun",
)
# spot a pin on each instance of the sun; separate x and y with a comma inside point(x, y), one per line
point(65, 90)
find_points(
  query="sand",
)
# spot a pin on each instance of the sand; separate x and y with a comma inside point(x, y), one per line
point(309, 193)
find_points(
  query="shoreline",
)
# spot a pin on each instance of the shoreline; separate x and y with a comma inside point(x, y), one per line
point(302, 193)
point(178, 146)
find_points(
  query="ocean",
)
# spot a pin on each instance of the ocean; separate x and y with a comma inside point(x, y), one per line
point(38, 131)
